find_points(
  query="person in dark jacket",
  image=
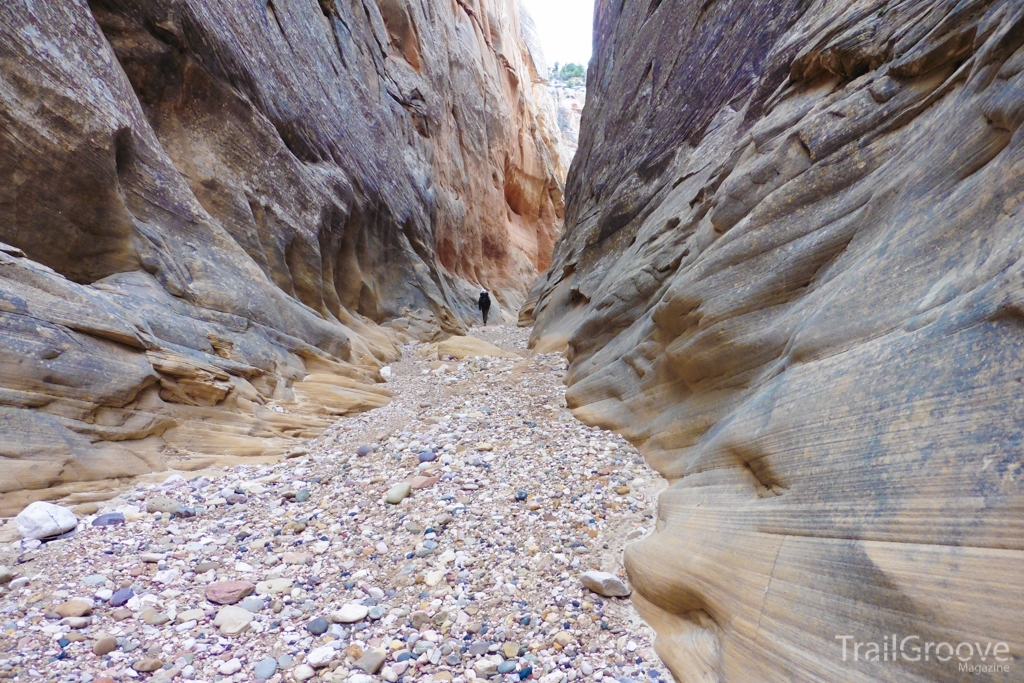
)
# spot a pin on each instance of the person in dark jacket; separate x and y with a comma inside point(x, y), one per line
point(485, 304)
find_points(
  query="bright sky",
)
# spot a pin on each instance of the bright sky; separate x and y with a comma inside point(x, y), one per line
point(565, 29)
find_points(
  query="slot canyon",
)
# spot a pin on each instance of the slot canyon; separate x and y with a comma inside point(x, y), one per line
point(748, 405)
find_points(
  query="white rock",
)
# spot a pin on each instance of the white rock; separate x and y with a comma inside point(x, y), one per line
point(320, 657)
point(350, 613)
point(167, 576)
point(484, 666)
point(231, 666)
point(385, 372)
point(232, 620)
point(273, 586)
point(42, 519)
point(605, 584)
point(360, 678)
point(303, 672)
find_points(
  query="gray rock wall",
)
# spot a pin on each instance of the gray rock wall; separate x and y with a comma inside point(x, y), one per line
point(792, 273)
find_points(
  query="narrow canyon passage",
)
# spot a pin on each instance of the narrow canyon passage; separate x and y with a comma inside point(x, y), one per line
point(776, 246)
point(499, 501)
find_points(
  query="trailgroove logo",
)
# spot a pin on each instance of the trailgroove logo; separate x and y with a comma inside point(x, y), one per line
point(975, 657)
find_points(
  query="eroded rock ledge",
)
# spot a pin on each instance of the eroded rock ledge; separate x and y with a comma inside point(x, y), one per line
point(792, 274)
point(208, 208)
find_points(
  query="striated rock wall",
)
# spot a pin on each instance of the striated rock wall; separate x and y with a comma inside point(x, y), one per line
point(792, 273)
point(207, 207)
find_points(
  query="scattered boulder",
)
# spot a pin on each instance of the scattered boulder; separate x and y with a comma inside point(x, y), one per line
point(318, 626)
point(190, 615)
point(605, 584)
point(154, 617)
point(42, 520)
point(320, 657)
point(162, 504)
point(273, 586)
point(122, 596)
point(399, 492)
point(232, 666)
point(109, 519)
point(228, 592)
point(147, 665)
point(423, 482)
point(104, 644)
point(562, 639)
point(372, 661)
point(350, 613)
point(233, 620)
point(74, 608)
point(265, 668)
point(6, 575)
point(303, 672)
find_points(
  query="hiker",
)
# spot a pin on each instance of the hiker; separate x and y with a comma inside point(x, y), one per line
point(485, 304)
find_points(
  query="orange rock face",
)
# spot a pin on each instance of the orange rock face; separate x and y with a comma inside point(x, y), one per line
point(792, 274)
point(208, 210)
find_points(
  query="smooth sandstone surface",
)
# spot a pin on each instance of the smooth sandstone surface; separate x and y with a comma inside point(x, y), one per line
point(792, 274)
point(209, 208)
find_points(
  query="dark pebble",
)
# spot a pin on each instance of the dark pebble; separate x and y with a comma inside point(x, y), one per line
point(109, 519)
point(122, 596)
point(318, 626)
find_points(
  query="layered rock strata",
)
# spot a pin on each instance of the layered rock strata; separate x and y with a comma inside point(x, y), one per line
point(207, 209)
point(792, 273)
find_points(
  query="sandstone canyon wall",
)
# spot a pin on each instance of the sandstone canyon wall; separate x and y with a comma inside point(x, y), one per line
point(793, 273)
point(208, 207)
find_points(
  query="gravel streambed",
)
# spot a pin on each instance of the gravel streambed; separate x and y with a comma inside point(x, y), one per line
point(303, 570)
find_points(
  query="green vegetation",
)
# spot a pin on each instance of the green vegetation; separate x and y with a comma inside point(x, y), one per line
point(571, 73)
